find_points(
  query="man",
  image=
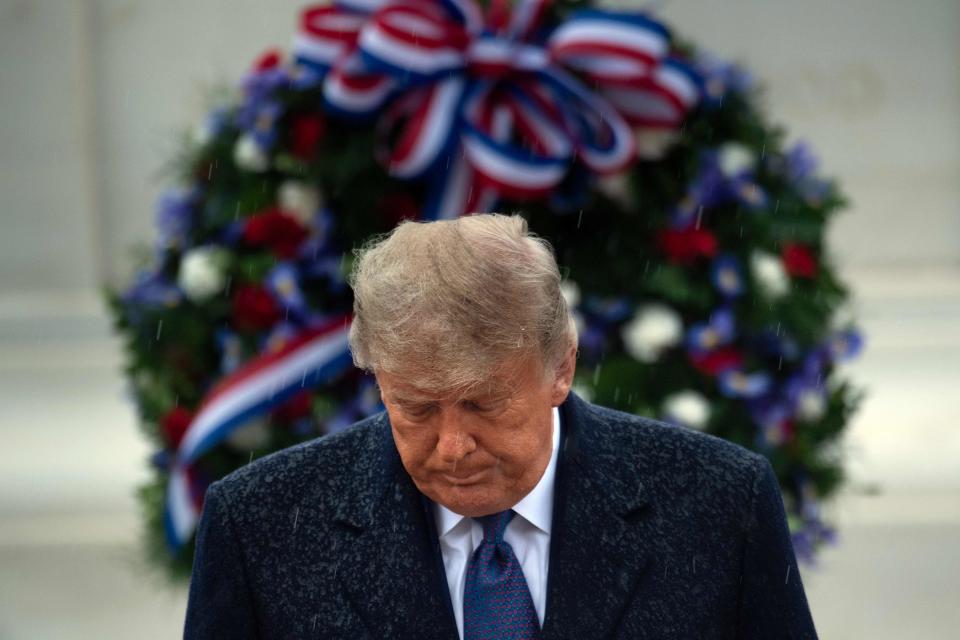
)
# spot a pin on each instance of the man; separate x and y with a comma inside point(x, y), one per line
point(489, 501)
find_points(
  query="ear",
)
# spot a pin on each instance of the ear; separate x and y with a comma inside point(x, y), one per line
point(564, 377)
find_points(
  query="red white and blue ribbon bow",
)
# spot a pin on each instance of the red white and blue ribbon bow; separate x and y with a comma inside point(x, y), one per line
point(313, 357)
point(494, 105)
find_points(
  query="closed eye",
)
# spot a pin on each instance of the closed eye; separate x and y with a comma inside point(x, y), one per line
point(418, 411)
point(481, 407)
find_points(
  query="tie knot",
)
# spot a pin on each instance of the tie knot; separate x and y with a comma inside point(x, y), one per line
point(495, 524)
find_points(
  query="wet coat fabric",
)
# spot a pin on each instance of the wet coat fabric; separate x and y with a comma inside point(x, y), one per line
point(658, 532)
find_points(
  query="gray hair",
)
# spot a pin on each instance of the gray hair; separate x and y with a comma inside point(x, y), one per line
point(445, 303)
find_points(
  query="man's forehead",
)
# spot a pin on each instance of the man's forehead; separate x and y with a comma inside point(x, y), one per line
point(400, 390)
point(409, 392)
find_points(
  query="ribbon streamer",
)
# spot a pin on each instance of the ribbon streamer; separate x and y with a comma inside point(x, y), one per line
point(315, 356)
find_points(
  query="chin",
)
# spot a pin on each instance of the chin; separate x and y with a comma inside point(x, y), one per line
point(471, 501)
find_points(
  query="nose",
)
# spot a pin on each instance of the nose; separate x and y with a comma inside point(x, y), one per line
point(454, 442)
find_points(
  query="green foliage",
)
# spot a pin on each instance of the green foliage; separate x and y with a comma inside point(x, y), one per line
point(607, 243)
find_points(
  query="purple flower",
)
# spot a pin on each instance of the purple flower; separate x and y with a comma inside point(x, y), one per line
point(707, 336)
point(151, 289)
point(844, 345)
point(260, 110)
point(721, 77)
point(712, 188)
point(799, 165)
point(800, 162)
point(175, 216)
point(283, 281)
point(737, 384)
point(264, 83)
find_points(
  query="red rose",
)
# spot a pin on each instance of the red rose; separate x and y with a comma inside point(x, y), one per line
point(294, 408)
point(276, 229)
point(175, 423)
point(717, 360)
point(306, 132)
point(686, 245)
point(254, 308)
point(798, 260)
point(267, 60)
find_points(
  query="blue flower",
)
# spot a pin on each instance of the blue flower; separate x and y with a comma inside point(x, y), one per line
point(231, 350)
point(799, 165)
point(776, 343)
point(161, 460)
point(844, 345)
point(717, 331)
point(737, 384)
point(175, 217)
point(152, 289)
point(260, 110)
point(608, 310)
point(283, 281)
point(727, 276)
point(720, 78)
point(800, 162)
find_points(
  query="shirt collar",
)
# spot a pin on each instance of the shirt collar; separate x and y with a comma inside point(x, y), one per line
point(536, 507)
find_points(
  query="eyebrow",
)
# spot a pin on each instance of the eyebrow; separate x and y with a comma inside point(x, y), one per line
point(488, 394)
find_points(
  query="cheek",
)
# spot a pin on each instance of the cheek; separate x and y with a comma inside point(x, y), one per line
point(414, 445)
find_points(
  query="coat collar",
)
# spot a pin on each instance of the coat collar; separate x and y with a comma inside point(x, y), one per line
point(393, 574)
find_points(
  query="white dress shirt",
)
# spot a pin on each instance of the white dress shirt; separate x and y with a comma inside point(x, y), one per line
point(528, 533)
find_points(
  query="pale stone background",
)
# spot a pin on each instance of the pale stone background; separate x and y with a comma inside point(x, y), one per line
point(93, 94)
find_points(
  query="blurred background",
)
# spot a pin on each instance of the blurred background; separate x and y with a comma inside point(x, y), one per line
point(94, 96)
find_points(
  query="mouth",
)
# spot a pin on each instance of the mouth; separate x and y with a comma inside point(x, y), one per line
point(461, 481)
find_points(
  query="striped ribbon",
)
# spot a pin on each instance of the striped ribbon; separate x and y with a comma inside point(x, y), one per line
point(488, 106)
point(313, 357)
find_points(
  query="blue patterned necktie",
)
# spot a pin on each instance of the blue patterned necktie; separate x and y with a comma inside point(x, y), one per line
point(497, 604)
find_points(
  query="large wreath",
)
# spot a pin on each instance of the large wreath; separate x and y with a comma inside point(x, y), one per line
point(692, 241)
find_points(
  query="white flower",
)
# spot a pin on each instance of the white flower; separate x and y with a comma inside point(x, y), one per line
point(202, 272)
point(248, 155)
point(811, 405)
point(571, 293)
point(653, 328)
point(617, 188)
point(688, 408)
point(735, 158)
point(654, 142)
point(300, 199)
point(769, 272)
point(252, 435)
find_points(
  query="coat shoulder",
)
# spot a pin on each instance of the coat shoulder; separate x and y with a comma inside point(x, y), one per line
point(618, 428)
point(676, 460)
point(323, 467)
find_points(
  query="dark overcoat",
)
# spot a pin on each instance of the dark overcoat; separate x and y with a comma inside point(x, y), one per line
point(658, 532)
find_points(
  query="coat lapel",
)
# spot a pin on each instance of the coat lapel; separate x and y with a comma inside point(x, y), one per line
point(601, 521)
point(390, 568)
